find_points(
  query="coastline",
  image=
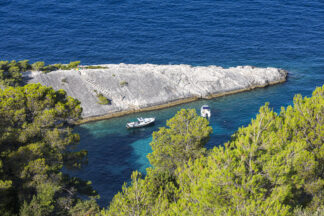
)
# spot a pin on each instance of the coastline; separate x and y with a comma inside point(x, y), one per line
point(134, 88)
point(171, 104)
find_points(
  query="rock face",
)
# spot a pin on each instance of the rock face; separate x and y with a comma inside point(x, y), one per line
point(132, 87)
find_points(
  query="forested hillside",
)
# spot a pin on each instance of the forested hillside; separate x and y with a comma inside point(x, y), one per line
point(274, 166)
point(34, 140)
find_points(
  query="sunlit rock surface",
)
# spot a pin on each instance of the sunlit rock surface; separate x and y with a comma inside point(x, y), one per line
point(131, 86)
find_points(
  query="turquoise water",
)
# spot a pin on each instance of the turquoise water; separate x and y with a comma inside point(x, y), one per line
point(115, 152)
point(285, 34)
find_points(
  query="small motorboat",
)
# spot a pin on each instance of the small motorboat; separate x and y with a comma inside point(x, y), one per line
point(141, 122)
point(205, 111)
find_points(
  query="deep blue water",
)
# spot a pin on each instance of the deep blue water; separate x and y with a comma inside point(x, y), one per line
point(285, 34)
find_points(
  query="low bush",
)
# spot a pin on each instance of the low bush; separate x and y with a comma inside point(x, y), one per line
point(54, 67)
point(123, 83)
point(102, 99)
point(49, 68)
point(74, 64)
point(37, 66)
point(95, 67)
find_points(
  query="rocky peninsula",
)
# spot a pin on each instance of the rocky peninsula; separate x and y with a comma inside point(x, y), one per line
point(132, 88)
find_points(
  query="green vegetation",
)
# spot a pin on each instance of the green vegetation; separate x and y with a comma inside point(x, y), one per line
point(184, 139)
point(123, 83)
point(34, 136)
point(10, 72)
point(274, 166)
point(102, 99)
point(37, 66)
point(40, 66)
point(54, 67)
point(95, 67)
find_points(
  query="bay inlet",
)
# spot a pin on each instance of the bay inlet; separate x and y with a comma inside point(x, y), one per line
point(115, 152)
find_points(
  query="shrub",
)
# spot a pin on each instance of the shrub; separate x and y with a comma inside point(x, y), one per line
point(123, 83)
point(40, 66)
point(58, 66)
point(48, 68)
point(102, 99)
point(95, 67)
point(4, 65)
point(37, 66)
point(74, 64)
point(14, 69)
point(24, 65)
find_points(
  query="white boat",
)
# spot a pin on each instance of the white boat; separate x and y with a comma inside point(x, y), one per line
point(141, 122)
point(205, 111)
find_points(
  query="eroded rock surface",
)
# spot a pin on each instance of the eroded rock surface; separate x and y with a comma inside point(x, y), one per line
point(131, 86)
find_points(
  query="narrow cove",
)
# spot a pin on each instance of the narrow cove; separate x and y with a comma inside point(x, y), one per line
point(114, 152)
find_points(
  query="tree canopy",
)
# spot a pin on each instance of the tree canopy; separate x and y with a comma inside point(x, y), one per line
point(34, 140)
point(183, 140)
point(10, 72)
point(273, 166)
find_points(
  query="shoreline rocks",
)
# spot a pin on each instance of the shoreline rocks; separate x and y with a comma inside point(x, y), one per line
point(132, 87)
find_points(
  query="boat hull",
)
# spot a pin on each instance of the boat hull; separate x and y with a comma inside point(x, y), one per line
point(147, 122)
point(205, 111)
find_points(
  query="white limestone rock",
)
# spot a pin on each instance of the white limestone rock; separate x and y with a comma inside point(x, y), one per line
point(149, 85)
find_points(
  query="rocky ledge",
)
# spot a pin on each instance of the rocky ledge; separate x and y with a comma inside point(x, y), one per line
point(132, 87)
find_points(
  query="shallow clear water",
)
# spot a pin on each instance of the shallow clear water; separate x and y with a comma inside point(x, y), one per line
point(286, 34)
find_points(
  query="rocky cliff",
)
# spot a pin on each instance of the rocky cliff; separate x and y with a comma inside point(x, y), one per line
point(134, 87)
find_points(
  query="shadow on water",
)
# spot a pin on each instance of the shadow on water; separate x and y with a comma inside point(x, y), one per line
point(111, 158)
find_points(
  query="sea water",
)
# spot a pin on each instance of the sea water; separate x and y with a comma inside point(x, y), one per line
point(285, 34)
